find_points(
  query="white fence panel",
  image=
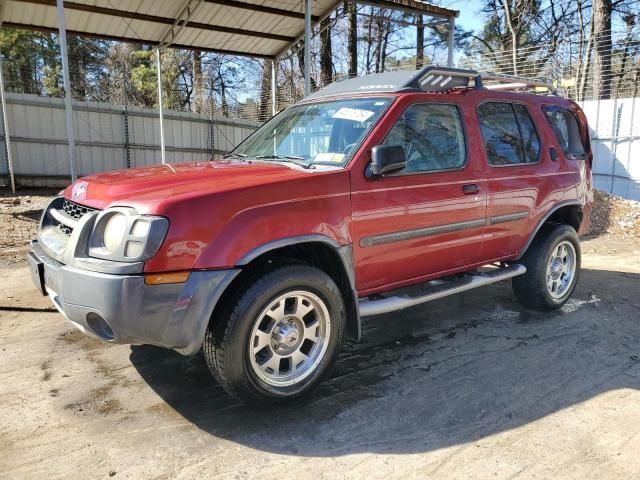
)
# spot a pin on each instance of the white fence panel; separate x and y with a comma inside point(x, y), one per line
point(615, 138)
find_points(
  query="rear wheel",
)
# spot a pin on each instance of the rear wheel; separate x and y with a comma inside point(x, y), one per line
point(553, 267)
point(280, 338)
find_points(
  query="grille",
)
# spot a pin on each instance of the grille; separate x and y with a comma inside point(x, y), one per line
point(74, 210)
point(65, 229)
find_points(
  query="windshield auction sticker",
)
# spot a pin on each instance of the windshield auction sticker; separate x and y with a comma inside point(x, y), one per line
point(329, 157)
point(354, 114)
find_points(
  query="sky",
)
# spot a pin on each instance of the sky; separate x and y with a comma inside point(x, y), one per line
point(470, 17)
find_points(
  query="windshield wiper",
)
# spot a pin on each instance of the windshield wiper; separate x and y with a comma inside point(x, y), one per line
point(301, 161)
point(235, 155)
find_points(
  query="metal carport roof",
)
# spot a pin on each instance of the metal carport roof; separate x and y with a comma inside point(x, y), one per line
point(256, 28)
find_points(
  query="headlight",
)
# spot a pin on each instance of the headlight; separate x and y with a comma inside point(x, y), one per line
point(122, 235)
point(114, 232)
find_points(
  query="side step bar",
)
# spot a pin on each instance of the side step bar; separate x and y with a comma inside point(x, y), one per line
point(439, 290)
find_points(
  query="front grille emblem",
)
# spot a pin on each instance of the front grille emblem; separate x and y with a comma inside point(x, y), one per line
point(79, 190)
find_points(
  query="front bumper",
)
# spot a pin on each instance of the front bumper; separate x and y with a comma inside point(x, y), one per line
point(123, 309)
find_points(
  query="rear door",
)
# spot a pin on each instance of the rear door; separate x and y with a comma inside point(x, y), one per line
point(522, 179)
point(428, 219)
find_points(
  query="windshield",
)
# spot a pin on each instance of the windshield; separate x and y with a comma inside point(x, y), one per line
point(318, 133)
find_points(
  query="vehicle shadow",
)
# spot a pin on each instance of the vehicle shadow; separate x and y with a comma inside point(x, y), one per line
point(451, 372)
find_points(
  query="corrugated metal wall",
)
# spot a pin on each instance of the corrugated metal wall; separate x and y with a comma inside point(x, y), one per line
point(109, 138)
point(615, 138)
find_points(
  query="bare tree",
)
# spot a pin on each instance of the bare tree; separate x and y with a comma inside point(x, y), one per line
point(514, 35)
point(300, 55)
point(198, 87)
point(419, 41)
point(326, 54)
point(352, 47)
point(265, 91)
point(601, 21)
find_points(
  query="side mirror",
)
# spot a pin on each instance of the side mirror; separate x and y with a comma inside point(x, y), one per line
point(386, 159)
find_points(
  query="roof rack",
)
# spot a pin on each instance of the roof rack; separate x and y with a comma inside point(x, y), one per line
point(430, 79)
point(439, 79)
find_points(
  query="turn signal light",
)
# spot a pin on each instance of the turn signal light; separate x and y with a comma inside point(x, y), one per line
point(163, 278)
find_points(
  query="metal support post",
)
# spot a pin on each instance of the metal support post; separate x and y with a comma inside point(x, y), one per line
point(5, 124)
point(159, 70)
point(67, 89)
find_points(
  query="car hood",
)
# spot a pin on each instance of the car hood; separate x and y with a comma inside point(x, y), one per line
point(144, 188)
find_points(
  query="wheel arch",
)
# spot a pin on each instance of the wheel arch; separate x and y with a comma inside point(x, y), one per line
point(569, 213)
point(315, 250)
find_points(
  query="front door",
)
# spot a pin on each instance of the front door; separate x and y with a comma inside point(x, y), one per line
point(428, 219)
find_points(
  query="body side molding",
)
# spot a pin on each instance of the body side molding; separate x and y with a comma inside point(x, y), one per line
point(419, 232)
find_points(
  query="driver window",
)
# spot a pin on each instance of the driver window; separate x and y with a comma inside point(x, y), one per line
point(432, 137)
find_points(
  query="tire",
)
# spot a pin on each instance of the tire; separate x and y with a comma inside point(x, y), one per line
point(277, 340)
point(552, 259)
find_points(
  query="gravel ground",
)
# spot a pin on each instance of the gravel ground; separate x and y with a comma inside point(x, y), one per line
point(471, 386)
point(19, 217)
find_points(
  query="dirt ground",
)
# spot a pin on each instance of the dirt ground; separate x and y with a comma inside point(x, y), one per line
point(471, 386)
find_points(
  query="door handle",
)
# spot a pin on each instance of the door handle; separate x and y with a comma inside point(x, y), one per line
point(470, 189)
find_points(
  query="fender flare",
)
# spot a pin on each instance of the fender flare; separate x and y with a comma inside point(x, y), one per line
point(554, 209)
point(353, 327)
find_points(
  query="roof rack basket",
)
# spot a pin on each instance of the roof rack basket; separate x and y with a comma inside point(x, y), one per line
point(439, 79)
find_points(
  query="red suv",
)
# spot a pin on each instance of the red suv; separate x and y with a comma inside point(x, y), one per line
point(268, 258)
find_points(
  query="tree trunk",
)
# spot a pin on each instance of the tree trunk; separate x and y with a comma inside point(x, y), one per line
point(586, 65)
point(419, 42)
point(223, 96)
point(352, 43)
point(198, 90)
point(379, 40)
point(514, 35)
point(265, 92)
point(369, 23)
point(312, 81)
point(580, 47)
point(628, 41)
point(383, 50)
point(601, 20)
point(326, 54)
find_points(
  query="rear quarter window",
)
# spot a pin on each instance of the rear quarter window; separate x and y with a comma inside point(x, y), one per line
point(564, 125)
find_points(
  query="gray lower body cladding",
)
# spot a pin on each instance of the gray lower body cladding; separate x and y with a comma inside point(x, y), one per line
point(172, 315)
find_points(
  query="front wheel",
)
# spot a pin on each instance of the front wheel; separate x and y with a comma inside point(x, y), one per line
point(280, 338)
point(553, 267)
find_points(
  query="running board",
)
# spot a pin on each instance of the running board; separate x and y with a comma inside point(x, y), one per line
point(439, 290)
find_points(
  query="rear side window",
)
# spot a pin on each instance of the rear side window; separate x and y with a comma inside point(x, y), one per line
point(432, 137)
point(509, 135)
point(565, 126)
